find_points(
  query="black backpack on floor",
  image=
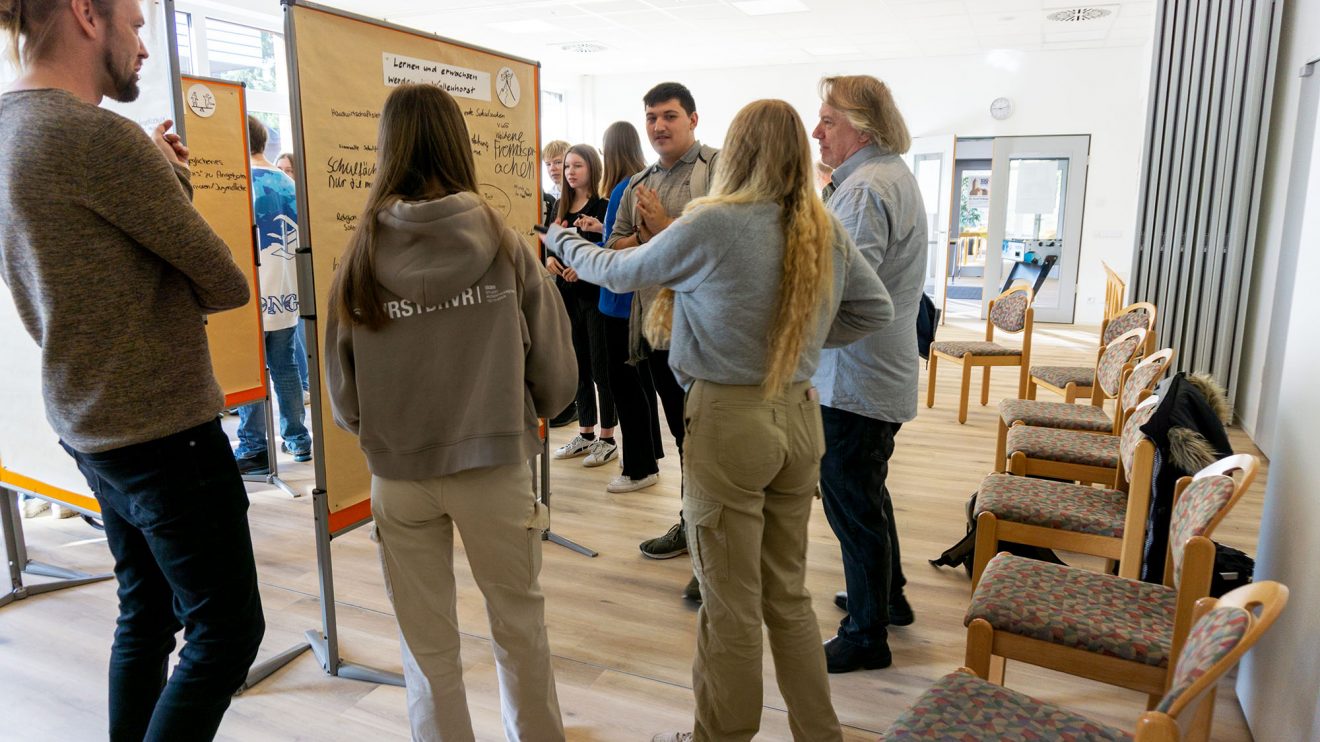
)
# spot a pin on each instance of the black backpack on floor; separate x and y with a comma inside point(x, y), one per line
point(964, 551)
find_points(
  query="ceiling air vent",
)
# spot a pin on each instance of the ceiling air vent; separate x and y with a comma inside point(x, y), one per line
point(583, 47)
point(1076, 15)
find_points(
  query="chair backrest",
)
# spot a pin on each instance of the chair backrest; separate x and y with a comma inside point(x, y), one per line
point(1115, 291)
point(1118, 353)
point(1142, 379)
point(1132, 435)
point(1224, 630)
point(1200, 506)
point(1010, 310)
point(1140, 314)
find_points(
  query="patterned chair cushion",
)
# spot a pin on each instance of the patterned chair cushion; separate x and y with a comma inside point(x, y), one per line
point(1049, 504)
point(1010, 313)
point(1062, 415)
point(1064, 446)
point(1210, 640)
point(1142, 377)
point(1110, 368)
point(1071, 607)
point(976, 348)
point(1061, 376)
point(1132, 435)
point(1124, 322)
point(1199, 505)
point(963, 707)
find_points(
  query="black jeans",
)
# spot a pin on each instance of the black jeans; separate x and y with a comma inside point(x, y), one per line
point(634, 398)
point(672, 398)
point(859, 509)
point(593, 360)
point(175, 515)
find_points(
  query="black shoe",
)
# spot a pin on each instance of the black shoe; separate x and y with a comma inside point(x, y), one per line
point(567, 417)
point(259, 464)
point(692, 592)
point(668, 546)
point(842, 655)
point(900, 611)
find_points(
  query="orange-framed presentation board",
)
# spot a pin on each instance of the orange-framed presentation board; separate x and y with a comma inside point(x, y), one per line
point(215, 124)
point(344, 67)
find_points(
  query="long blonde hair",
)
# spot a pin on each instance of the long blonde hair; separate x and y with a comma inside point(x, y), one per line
point(768, 158)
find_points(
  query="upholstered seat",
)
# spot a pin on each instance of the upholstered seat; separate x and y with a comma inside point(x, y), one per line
point(1065, 446)
point(1072, 607)
point(1062, 376)
point(961, 706)
point(1055, 415)
point(958, 349)
point(1058, 505)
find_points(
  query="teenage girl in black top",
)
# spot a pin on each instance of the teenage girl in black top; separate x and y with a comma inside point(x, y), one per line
point(579, 206)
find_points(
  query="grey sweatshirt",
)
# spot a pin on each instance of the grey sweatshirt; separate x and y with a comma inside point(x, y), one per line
point(477, 347)
point(112, 270)
point(724, 263)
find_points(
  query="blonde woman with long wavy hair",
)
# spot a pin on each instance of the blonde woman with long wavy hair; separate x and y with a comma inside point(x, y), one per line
point(758, 276)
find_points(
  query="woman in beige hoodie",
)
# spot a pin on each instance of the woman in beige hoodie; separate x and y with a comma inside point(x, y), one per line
point(446, 341)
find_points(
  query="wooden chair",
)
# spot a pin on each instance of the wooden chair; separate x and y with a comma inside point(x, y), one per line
point(1111, 629)
point(963, 706)
point(1109, 523)
point(1111, 367)
point(1076, 382)
point(1009, 312)
point(1115, 291)
point(1081, 456)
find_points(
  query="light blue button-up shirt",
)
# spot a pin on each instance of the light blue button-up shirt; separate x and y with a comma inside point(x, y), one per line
point(878, 200)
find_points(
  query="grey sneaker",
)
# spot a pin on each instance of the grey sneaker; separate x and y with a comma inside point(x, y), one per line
point(672, 737)
point(624, 483)
point(579, 446)
point(600, 453)
point(668, 546)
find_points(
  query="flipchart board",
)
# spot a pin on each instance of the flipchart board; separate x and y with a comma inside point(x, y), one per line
point(215, 118)
point(31, 459)
point(345, 67)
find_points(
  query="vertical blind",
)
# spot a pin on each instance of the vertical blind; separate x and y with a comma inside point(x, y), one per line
point(1211, 79)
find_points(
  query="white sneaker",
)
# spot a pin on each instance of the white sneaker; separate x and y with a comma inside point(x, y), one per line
point(579, 446)
point(623, 483)
point(673, 737)
point(34, 506)
point(60, 511)
point(601, 453)
point(307, 398)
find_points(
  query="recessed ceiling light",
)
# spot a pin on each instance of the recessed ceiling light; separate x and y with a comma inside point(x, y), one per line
point(831, 51)
point(583, 47)
point(1075, 15)
point(770, 7)
point(531, 25)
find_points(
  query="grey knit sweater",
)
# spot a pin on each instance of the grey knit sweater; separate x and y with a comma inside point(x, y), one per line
point(111, 269)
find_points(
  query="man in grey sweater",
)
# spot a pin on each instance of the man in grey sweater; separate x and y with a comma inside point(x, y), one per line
point(113, 271)
point(869, 389)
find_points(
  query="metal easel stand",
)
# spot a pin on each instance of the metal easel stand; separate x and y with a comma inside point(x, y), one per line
point(542, 485)
point(325, 643)
point(11, 523)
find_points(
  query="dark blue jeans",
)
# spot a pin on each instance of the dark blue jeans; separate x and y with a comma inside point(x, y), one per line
point(175, 515)
point(858, 507)
point(280, 356)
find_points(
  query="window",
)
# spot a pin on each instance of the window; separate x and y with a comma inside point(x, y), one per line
point(243, 54)
point(183, 30)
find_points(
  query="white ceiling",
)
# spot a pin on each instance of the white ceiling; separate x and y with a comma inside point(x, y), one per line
point(655, 35)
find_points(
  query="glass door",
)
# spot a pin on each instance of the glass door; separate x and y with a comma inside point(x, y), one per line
point(931, 159)
point(1035, 229)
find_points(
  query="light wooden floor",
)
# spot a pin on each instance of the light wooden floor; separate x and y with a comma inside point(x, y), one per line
point(621, 635)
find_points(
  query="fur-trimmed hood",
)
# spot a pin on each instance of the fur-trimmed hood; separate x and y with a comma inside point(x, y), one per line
point(1188, 449)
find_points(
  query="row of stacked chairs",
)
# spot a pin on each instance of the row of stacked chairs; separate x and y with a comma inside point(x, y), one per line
point(1170, 641)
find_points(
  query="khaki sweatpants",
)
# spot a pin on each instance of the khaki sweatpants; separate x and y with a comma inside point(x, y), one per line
point(751, 468)
point(500, 523)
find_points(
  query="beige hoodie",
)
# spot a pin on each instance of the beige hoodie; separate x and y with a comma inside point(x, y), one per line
point(469, 358)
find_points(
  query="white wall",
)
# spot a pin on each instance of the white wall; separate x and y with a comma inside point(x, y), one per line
point(1101, 92)
point(1272, 279)
point(1279, 683)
